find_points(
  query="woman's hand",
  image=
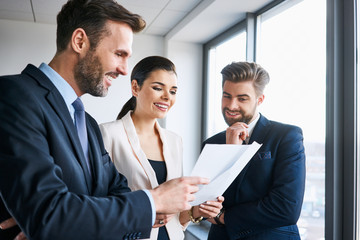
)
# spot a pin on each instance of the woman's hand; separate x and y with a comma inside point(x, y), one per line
point(162, 219)
point(9, 223)
point(208, 209)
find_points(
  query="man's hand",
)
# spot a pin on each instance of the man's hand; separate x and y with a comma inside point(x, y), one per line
point(221, 219)
point(9, 223)
point(237, 133)
point(174, 196)
point(162, 219)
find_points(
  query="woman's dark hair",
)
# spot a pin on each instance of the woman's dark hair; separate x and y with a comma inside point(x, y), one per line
point(92, 15)
point(141, 72)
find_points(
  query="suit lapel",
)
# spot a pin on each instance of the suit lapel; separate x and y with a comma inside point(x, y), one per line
point(137, 151)
point(170, 167)
point(57, 102)
point(94, 156)
point(260, 131)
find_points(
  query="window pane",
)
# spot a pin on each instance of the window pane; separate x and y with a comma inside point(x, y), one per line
point(231, 50)
point(292, 47)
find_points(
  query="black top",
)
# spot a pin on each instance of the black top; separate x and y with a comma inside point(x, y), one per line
point(161, 173)
point(160, 170)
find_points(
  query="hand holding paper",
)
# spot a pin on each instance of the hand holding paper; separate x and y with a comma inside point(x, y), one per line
point(221, 163)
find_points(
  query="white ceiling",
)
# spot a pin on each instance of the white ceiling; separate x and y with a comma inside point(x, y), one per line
point(183, 20)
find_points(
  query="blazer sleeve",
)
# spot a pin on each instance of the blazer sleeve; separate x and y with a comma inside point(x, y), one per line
point(34, 192)
point(282, 205)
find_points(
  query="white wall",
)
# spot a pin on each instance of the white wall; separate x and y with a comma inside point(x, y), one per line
point(185, 116)
point(25, 42)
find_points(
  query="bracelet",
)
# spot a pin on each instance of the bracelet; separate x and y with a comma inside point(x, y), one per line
point(217, 218)
point(192, 219)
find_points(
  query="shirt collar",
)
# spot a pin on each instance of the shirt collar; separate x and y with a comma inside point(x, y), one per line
point(251, 127)
point(66, 91)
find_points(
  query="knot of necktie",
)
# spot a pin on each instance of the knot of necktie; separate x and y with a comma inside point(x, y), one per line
point(78, 105)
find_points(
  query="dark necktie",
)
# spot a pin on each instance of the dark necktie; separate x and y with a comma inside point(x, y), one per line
point(80, 125)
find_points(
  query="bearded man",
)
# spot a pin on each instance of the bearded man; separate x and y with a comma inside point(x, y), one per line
point(56, 179)
point(265, 200)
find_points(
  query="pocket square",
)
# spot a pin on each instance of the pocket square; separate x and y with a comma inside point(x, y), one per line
point(265, 155)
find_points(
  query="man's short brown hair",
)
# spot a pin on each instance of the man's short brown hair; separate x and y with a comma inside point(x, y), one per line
point(92, 15)
point(246, 71)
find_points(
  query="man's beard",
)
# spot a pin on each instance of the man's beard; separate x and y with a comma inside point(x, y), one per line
point(245, 118)
point(89, 75)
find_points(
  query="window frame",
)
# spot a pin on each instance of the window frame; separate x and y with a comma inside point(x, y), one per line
point(231, 32)
point(341, 118)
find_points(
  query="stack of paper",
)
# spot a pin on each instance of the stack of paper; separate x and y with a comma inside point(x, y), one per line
point(221, 163)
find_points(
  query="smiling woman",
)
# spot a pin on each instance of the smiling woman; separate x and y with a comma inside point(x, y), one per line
point(158, 70)
point(158, 92)
point(138, 140)
point(146, 153)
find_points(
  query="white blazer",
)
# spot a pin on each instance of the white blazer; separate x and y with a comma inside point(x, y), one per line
point(123, 145)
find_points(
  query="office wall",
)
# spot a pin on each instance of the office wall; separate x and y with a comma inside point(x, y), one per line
point(23, 42)
point(185, 117)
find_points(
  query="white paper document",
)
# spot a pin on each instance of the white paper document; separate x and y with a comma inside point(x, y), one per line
point(221, 163)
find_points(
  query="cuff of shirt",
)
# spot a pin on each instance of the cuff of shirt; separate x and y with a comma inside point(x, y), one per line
point(152, 205)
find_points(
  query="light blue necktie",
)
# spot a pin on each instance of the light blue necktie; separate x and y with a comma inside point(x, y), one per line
point(80, 125)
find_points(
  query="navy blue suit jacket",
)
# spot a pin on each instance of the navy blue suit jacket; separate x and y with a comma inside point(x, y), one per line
point(264, 201)
point(44, 181)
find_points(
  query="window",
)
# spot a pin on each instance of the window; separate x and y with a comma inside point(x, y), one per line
point(291, 46)
point(233, 49)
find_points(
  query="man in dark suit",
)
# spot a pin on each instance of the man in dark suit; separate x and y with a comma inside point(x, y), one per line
point(264, 201)
point(55, 184)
